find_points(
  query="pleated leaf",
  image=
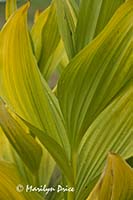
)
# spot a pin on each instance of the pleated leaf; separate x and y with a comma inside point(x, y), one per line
point(67, 19)
point(11, 6)
point(9, 180)
point(96, 74)
point(8, 153)
point(22, 86)
point(25, 145)
point(46, 38)
point(56, 151)
point(116, 181)
point(93, 16)
point(110, 132)
point(5, 150)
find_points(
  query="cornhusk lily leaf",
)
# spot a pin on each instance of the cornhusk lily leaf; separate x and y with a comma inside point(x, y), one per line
point(23, 88)
point(11, 183)
point(25, 145)
point(56, 151)
point(45, 171)
point(46, 39)
point(111, 131)
point(8, 154)
point(11, 6)
point(67, 19)
point(96, 74)
point(93, 16)
point(5, 150)
point(116, 181)
point(93, 116)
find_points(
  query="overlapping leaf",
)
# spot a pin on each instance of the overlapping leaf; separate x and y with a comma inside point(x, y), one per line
point(57, 152)
point(24, 143)
point(11, 6)
point(5, 150)
point(93, 16)
point(111, 131)
point(8, 153)
point(46, 38)
point(21, 85)
point(96, 74)
point(45, 171)
point(9, 180)
point(116, 181)
point(67, 19)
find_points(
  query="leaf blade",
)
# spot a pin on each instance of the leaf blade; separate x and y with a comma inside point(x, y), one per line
point(9, 181)
point(67, 23)
point(92, 71)
point(93, 16)
point(25, 145)
point(109, 133)
point(116, 172)
point(46, 38)
point(22, 85)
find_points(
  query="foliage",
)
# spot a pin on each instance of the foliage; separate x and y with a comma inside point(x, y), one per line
point(64, 136)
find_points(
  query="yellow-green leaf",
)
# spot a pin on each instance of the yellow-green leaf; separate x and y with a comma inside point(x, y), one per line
point(93, 16)
point(67, 20)
point(11, 182)
point(11, 6)
point(22, 85)
point(46, 38)
point(116, 182)
point(111, 131)
point(96, 74)
point(56, 151)
point(25, 145)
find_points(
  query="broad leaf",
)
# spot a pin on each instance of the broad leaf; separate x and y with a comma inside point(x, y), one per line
point(93, 16)
point(96, 74)
point(110, 132)
point(25, 145)
point(67, 20)
point(45, 171)
point(46, 39)
point(8, 153)
point(22, 86)
point(116, 181)
point(5, 150)
point(11, 6)
point(9, 184)
point(54, 149)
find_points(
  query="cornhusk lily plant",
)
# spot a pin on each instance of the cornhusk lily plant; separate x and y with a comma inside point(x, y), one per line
point(72, 141)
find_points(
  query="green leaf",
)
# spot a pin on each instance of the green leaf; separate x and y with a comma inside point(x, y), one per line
point(93, 17)
point(11, 6)
point(25, 145)
point(8, 153)
point(46, 38)
point(110, 132)
point(22, 85)
point(116, 181)
point(57, 152)
point(96, 74)
point(9, 180)
point(67, 20)
point(5, 148)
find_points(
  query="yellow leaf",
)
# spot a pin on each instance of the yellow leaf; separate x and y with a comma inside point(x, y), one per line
point(116, 182)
